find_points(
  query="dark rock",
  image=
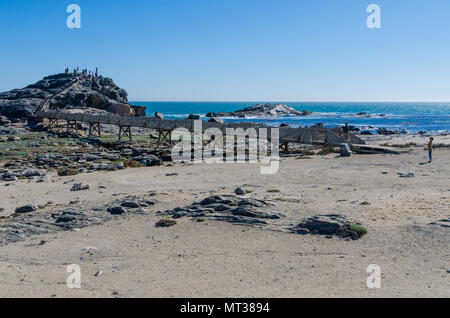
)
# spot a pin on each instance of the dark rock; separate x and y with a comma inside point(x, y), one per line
point(159, 115)
point(406, 175)
point(227, 208)
point(130, 204)
point(193, 117)
point(26, 209)
point(329, 224)
point(239, 191)
point(165, 223)
point(79, 187)
point(117, 210)
point(385, 131)
point(262, 110)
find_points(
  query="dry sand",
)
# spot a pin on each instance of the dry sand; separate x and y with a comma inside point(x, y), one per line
point(218, 259)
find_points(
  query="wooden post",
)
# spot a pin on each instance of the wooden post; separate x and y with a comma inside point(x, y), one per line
point(165, 136)
point(95, 127)
point(72, 124)
point(125, 131)
point(53, 122)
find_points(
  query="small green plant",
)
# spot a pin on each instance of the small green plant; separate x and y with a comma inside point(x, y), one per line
point(359, 229)
point(365, 203)
point(273, 191)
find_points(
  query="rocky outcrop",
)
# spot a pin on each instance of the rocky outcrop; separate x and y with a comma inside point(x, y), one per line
point(228, 208)
point(62, 91)
point(262, 110)
point(330, 224)
point(28, 221)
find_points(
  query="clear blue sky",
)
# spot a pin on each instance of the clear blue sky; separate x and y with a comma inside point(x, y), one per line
point(236, 50)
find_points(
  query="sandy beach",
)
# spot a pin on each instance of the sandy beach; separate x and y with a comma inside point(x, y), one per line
point(129, 257)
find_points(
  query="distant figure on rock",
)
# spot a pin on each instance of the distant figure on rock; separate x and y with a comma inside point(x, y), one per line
point(345, 130)
point(430, 149)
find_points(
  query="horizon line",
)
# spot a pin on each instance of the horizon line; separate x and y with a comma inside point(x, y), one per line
point(278, 101)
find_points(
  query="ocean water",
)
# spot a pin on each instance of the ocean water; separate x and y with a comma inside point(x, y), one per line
point(413, 117)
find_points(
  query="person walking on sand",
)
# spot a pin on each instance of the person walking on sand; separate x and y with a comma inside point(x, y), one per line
point(430, 149)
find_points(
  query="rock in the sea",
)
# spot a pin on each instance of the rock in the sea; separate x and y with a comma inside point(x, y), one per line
point(263, 110)
point(216, 120)
point(26, 209)
point(159, 115)
point(385, 131)
point(193, 117)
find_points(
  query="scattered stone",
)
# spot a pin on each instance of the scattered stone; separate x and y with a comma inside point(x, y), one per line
point(130, 204)
point(117, 210)
point(44, 178)
point(24, 225)
point(239, 191)
point(98, 274)
point(406, 175)
point(26, 209)
point(165, 223)
point(79, 187)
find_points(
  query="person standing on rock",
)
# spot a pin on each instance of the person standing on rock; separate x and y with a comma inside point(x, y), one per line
point(430, 149)
point(346, 129)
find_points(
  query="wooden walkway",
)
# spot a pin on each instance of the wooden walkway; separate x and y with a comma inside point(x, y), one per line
point(165, 127)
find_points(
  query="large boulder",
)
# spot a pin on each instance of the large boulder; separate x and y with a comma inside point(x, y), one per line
point(123, 110)
point(139, 110)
